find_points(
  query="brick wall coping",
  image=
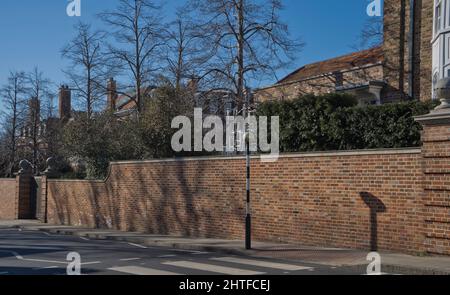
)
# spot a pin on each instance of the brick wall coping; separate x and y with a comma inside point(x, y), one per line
point(231, 158)
point(436, 117)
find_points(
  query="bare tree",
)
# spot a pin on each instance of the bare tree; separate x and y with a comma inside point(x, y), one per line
point(40, 119)
point(40, 87)
point(36, 86)
point(248, 40)
point(138, 34)
point(31, 138)
point(87, 71)
point(371, 34)
point(185, 54)
point(12, 94)
point(49, 108)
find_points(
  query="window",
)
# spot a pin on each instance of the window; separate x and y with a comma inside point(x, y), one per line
point(339, 78)
point(447, 48)
point(447, 14)
point(438, 17)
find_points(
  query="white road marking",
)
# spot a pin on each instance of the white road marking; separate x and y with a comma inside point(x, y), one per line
point(167, 256)
point(185, 251)
point(19, 257)
point(130, 259)
point(213, 268)
point(4, 273)
point(201, 253)
point(83, 238)
point(261, 263)
point(137, 245)
point(143, 271)
point(47, 267)
point(89, 263)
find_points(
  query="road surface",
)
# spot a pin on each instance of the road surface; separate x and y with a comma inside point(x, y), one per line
point(40, 253)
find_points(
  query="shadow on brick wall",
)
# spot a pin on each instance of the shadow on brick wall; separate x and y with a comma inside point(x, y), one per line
point(376, 206)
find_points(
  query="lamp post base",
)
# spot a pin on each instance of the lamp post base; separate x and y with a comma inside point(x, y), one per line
point(248, 232)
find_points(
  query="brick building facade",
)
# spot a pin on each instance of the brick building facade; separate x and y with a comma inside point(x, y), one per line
point(400, 68)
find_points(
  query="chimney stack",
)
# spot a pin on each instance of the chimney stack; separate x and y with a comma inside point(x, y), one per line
point(34, 110)
point(65, 106)
point(112, 95)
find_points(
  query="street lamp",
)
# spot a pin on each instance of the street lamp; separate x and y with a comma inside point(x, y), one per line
point(248, 216)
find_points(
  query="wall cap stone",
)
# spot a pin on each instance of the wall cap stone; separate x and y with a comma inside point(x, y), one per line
point(286, 155)
point(398, 151)
point(436, 117)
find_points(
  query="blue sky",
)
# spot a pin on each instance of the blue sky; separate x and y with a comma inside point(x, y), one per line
point(32, 32)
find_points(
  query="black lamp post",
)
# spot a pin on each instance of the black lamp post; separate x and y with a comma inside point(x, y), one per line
point(248, 217)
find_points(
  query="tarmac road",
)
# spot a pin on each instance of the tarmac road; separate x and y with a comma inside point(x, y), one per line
point(41, 253)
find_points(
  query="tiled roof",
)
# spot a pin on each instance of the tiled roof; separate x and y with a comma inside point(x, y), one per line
point(349, 61)
point(124, 102)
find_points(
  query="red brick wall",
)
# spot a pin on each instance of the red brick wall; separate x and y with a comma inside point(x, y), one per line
point(8, 199)
point(436, 151)
point(311, 199)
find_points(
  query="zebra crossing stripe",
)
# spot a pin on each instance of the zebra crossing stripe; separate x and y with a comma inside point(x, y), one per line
point(260, 263)
point(213, 268)
point(142, 271)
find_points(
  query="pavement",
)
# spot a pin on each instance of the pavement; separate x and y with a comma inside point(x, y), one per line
point(114, 249)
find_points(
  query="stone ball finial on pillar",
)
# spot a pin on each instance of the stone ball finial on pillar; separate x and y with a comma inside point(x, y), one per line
point(25, 168)
point(441, 114)
point(442, 90)
point(52, 170)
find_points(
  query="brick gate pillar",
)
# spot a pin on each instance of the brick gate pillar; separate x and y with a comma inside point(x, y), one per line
point(42, 200)
point(436, 181)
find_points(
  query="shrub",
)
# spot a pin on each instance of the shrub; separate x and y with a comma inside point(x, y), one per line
point(336, 122)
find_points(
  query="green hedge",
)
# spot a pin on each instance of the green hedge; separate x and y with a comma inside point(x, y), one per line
point(336, 122)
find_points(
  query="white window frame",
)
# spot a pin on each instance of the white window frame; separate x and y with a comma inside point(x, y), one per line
point(437, 27)
point(446, 14)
